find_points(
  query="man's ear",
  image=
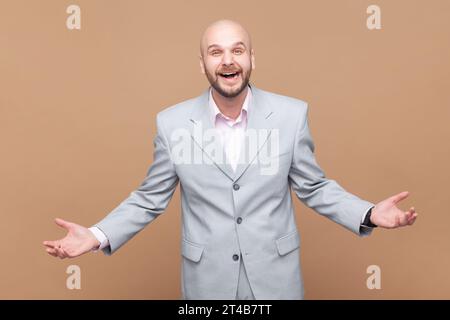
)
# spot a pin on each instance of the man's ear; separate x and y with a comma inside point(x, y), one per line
point(202, 65)
point(253, 59)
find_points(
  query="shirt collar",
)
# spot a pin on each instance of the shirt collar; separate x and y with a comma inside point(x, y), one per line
point(216, 112)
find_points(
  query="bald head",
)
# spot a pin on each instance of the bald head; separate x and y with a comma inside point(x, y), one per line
point(224, 30)
point(227, 58)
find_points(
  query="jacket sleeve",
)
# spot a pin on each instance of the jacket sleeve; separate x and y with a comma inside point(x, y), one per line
point(145, 203)
point(325, 196)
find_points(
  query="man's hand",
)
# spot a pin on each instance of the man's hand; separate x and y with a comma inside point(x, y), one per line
point(386, 214)
point(78, 241)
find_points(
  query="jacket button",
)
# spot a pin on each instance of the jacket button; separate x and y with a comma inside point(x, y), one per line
point(236, 186)
point(235, 257)
point(239, 220)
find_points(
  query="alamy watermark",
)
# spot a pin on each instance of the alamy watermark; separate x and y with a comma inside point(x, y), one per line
point(74, 280)
point(374, 280)
point(255, 146)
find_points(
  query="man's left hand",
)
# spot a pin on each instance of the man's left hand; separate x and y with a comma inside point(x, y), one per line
point(386, 214)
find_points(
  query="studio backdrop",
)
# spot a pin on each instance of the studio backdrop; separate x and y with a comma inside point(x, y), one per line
point(82, 81)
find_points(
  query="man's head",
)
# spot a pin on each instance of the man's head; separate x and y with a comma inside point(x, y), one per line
point(227, 57)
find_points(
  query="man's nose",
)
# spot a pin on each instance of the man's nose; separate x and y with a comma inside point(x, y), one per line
point(227, 58)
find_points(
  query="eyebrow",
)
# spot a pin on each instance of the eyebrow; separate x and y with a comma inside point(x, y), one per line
point(234, 45)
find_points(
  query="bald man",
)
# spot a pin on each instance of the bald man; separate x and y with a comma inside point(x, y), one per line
point(237, 152)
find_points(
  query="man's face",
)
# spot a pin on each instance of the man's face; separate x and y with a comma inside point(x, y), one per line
point(227, 59)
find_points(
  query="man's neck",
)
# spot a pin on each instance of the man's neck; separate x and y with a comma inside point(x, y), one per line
point(230, 107)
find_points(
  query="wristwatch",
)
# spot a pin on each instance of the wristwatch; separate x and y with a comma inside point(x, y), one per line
point(367, 221)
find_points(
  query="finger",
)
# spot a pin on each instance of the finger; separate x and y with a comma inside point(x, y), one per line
point(48, 246)
point(59, 251)
point(63, 223)
point(413, 219)
point(413, 214)
point(408, 215)
point(50, 243)
point(411, 222)
point(402, 219)
point(400, 196)
point(65, 251)
point(61, 254)
point(52, 252)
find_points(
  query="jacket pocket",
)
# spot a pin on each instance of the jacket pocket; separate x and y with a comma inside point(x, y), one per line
point(288, 243)
point(191, 250)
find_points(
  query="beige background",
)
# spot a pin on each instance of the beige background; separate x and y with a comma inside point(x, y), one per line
point(77, 119)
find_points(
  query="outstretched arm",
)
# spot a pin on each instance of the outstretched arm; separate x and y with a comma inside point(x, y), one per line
point(142, 206)
point(328, 198)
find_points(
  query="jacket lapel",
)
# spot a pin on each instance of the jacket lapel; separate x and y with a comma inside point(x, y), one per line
point(258, 131)
point(202, 133)
point(258, 124)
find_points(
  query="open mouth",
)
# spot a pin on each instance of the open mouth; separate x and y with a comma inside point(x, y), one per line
point(229, 75)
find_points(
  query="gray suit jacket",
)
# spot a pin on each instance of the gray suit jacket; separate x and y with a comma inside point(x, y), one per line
point(247, 212)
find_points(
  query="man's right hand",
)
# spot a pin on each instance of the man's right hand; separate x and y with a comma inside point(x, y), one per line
point(78, 241)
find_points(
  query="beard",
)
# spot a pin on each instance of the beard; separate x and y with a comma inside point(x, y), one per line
point(226, 91)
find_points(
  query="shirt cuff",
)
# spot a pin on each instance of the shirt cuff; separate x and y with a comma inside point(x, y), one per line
point(365, 230)
point(366, 220)
point(101, 237)
point(365, 215)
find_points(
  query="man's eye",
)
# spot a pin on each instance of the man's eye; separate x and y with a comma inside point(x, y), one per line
point(238, 51)
point(215, 53)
